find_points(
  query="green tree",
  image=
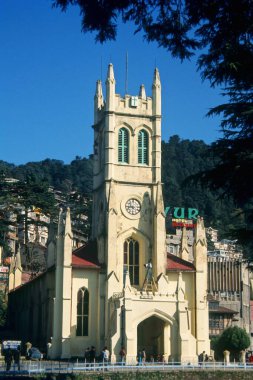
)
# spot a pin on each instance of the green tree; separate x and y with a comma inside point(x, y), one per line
point(210, 243)
point(220, 33)
point(81, 209)
point(3, 309)
point(233, 339)
point(184, 158)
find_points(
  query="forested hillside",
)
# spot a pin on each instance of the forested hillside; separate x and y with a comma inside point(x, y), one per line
point(64, 177)
point(184, 158)
point(180, 159)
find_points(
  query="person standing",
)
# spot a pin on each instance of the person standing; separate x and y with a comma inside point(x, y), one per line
point(202, 357)
point(139, 357)
point(92, 354)
point(87, 356)
point(106, 355)
point(28, 349)
point(143, 356)
point(16, 357)
point(122, 355)
point(8, 358)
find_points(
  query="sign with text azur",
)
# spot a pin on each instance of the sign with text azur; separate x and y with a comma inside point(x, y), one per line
point(181, 212)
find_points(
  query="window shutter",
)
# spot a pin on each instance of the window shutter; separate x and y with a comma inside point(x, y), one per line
point(143, 147)
point(123, 148)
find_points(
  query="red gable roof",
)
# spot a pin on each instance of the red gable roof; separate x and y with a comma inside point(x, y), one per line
point(177, 264)
point(86, 256)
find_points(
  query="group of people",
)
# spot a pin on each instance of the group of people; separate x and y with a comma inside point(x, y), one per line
point(203, 357)
point(141, 357)
point(91, 357)
point(160, 358)
point(104, 357)
point(11, 355)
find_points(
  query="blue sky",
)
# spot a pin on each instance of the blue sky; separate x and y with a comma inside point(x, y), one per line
point(48, 72)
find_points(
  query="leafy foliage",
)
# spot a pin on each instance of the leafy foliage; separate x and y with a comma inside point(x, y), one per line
point(63, 177)
point(233, 339)
point(184, 158)
point(3, 309)
point(182, 27)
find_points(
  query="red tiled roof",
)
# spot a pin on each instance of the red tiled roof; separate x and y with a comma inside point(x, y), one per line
point(175, 263)
point(86, 256)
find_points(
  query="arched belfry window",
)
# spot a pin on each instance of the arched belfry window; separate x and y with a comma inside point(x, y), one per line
point(131, 260)
point(82, 322)
point(143, 147)
point(123, 146)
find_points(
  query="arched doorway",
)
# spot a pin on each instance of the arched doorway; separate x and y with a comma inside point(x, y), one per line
point(150, 335)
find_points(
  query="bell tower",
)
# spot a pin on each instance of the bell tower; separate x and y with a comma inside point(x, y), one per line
point(128, 210)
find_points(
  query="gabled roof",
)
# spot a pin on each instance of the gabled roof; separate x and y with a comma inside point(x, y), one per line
point(86, 256)
point(27, 278)
point(177, 264)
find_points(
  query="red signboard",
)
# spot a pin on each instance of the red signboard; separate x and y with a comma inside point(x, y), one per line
point(4, 269)
point(188, 223)
point(4, 274)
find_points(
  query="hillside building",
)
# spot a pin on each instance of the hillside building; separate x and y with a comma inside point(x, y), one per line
point(228, 281)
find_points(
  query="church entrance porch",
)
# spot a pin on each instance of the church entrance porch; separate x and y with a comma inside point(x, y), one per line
point(150, 336)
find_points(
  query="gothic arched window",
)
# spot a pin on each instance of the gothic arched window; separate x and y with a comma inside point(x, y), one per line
point(123, 146)
point(131, 260)
point(143, 147)
point(82, 321)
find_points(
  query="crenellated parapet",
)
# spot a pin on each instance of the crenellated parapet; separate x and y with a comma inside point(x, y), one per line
point(136, 105)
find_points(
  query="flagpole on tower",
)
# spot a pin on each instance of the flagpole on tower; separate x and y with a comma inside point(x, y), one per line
point(126, 74)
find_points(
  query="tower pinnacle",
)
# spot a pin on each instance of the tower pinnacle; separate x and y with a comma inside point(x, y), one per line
point(110, 88)
point(184, 249)
point(156, 80)
point(142, 92)
point(98, 100)
point(156, 93)
point(68, 223)
point(110, 73)
point(99, 93)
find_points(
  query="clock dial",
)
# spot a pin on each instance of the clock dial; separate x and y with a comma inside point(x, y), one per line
point(133, 206)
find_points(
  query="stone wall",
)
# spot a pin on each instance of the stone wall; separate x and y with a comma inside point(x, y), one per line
point(142, 375)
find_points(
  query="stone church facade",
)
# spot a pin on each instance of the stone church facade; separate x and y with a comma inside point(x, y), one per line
point(121, 288)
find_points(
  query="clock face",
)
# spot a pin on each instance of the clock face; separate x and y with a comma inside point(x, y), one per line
point(133, 206)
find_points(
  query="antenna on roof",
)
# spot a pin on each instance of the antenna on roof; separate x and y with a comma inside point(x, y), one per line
point(126, 74)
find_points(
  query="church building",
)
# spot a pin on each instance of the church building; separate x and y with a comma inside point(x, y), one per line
point(122, 288)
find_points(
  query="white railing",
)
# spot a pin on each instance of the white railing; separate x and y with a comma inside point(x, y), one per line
point(35, 367)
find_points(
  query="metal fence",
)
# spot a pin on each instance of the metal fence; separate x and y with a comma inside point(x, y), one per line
point(39, 367)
